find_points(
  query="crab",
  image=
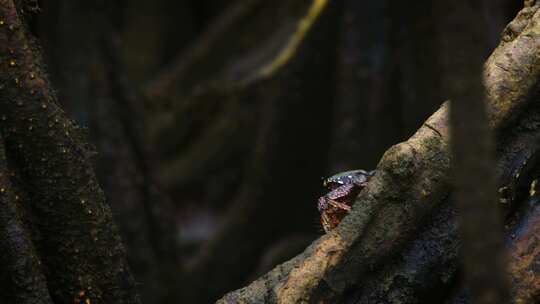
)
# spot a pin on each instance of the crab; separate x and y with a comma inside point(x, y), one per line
point(343, 188)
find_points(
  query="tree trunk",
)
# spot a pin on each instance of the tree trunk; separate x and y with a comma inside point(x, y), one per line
point(62, 225)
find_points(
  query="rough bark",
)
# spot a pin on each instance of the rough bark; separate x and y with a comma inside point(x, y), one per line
point(411, 183)
point(22, 276)
point(72, 227)
point(524, 254)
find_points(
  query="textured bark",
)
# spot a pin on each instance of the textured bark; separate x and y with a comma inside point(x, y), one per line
point(22, 276)
point(511, 72)
point(524, 254)
point(422, 272)
point(72, 226)
point(412, 181)
point(428, 269)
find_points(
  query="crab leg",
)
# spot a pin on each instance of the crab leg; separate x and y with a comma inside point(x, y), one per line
point(339, 205)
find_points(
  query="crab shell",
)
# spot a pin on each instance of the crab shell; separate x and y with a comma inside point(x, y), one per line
point(357, 177)
point(337, 203)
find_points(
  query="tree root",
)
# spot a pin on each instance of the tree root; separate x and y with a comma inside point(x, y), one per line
point(412, 181)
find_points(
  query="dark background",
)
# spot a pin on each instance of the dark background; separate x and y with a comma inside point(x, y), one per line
point(211, 161)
